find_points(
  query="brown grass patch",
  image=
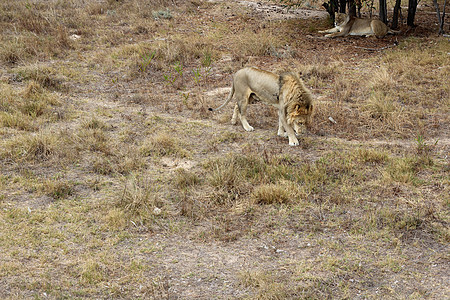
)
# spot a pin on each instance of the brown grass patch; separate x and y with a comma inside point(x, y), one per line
point(163, 145)
point(273, 193)
point(27, 109)
point(140, 201)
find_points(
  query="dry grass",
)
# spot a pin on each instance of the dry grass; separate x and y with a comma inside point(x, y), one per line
point(27, 109)
point(266, 286)
point(163, 145)
point(394, 104)
point(140, 201)
point(57, 189)
point(116, 182)
point(272, 193)
point(32, 147)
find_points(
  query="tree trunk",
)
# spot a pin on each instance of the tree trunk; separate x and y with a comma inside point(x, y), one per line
point(397, 8)
point(383, 11)
point(443, 17)
point(412, 6)
point(342, 6)
point(370, 9)
point(358, 7)
point(440, 20)
point(351, 8)
point(331, 7)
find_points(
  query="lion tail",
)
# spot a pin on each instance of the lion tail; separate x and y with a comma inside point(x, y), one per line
point(391, 31)
point(230, 96)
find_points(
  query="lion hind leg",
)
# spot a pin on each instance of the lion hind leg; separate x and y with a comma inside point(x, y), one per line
point(235, 114)
point(243, 112)
point(244, 122)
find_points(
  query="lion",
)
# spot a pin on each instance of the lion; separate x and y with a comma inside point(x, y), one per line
point(286, 92)
point(349, 25)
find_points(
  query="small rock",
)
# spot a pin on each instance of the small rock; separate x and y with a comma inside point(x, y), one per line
point(157, 211)
point(74, 37)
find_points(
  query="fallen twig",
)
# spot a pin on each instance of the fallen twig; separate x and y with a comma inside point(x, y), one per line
point(378, 49)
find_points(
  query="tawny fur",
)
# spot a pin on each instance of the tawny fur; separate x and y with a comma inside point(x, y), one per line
point(286, 92)
point(346, 25)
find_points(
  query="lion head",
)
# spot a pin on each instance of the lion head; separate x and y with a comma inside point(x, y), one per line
point(340, 19)
point(299, 101)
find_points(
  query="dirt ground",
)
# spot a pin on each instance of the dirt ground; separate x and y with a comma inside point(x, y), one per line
point(75, 249)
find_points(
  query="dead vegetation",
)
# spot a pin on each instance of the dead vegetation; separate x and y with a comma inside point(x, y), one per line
point(116, 181)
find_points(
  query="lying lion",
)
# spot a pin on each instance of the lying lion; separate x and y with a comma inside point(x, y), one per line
point(286, 92)
point(347, 25)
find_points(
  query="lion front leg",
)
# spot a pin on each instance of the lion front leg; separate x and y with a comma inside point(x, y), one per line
point(293, 141)
point(332, 30)
point(337, 34)
point(281, 131)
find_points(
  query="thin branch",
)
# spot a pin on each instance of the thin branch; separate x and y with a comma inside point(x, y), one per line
point(377, 49)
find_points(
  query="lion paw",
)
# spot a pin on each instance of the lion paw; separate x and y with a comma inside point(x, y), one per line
point(293, 143)
point(249, 128)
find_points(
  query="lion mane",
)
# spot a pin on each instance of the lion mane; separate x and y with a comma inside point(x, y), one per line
point(298, 98)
